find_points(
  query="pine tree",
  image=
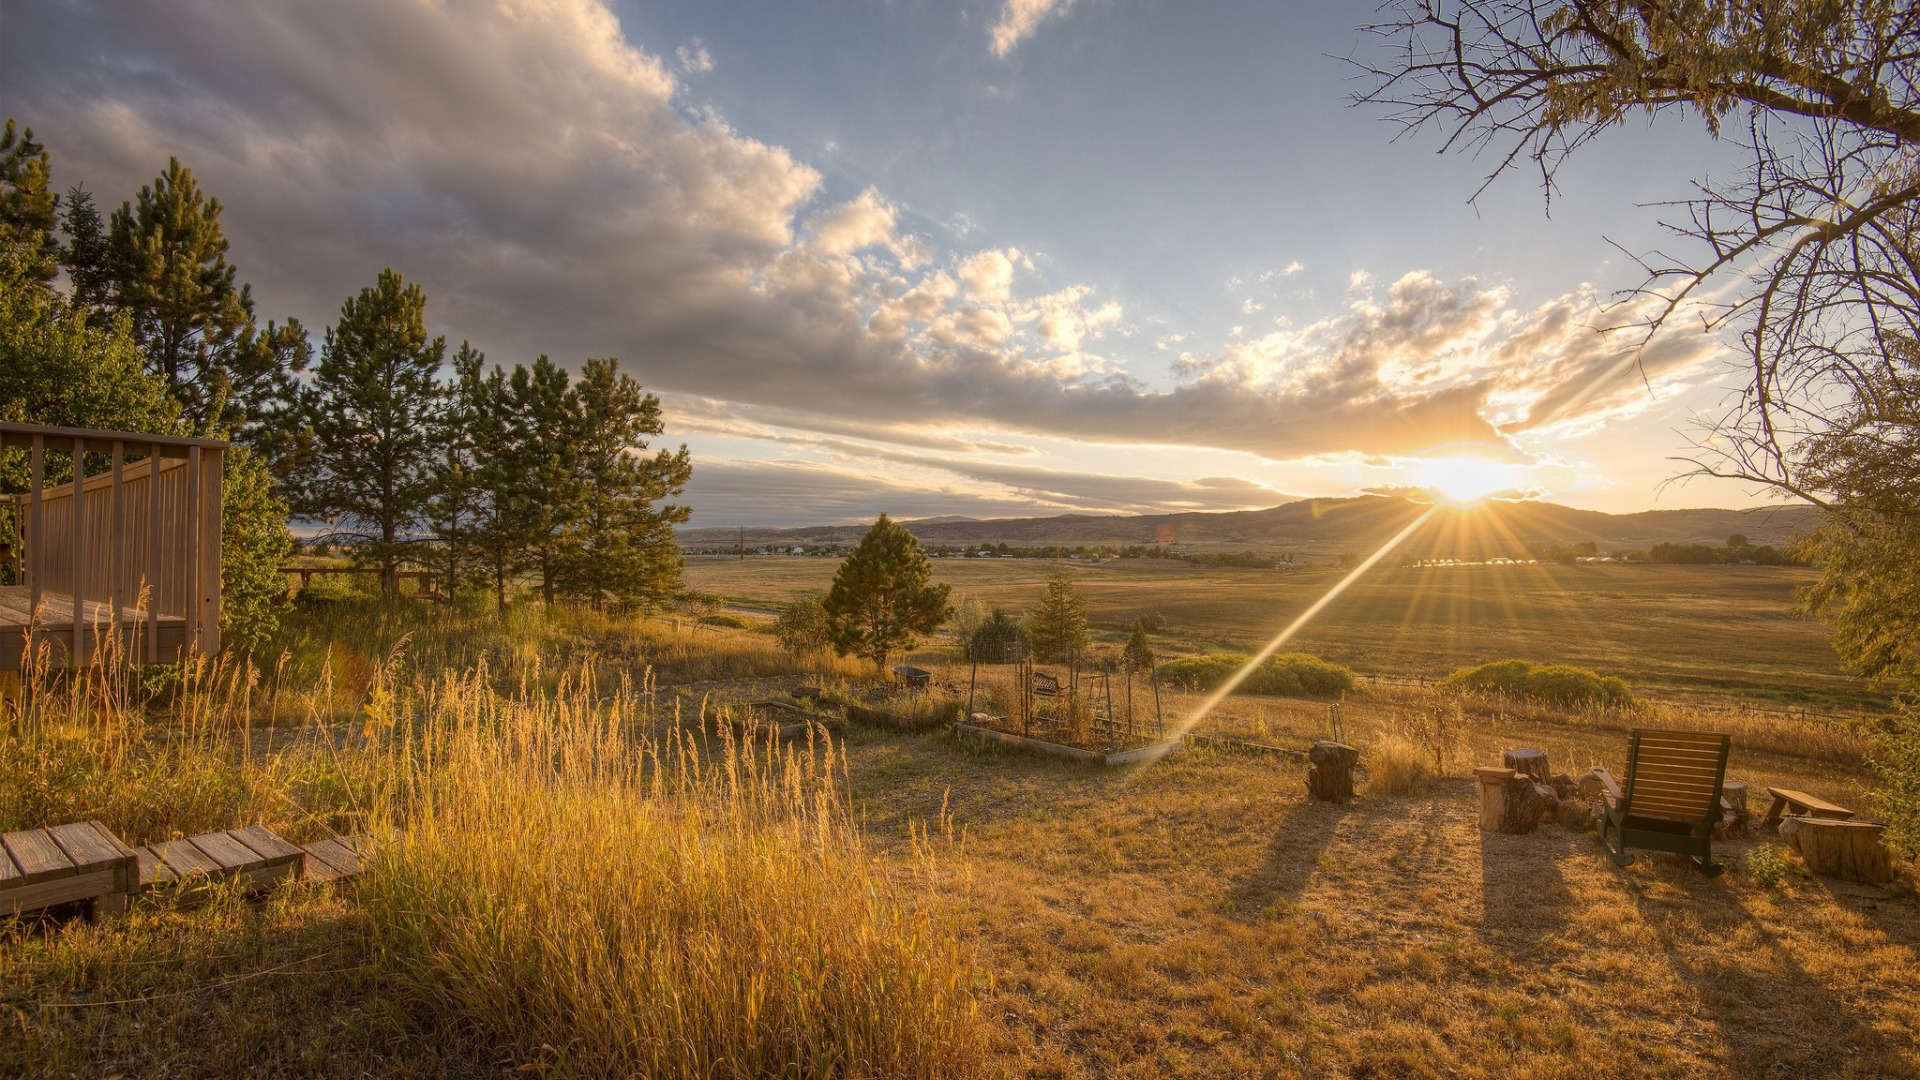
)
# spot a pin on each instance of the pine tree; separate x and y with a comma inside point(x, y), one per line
point(374, 415)
point(623, 551)
point(85, 257)
point(544, 473)
point(883, 595)
point(1138, 653)
point(1059, 625)
point(166, 259)
point(27, 203)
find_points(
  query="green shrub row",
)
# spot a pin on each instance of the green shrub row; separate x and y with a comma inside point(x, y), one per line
point(1285, 675)
point(1552, 684)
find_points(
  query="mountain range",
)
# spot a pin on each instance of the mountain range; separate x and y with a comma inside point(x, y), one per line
point(1327, 527)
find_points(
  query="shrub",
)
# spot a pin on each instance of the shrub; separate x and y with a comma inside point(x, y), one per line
point(1285, 675)
point(1396, 765)
point(734, 622)
point(1552, 684)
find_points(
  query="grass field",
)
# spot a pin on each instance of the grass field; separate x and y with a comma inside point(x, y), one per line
point(1729, 630)
point(577, 886)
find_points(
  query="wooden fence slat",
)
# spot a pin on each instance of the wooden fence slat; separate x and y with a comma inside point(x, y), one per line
point(35, 518)
point(192, 553)
point(79, 590)
point(153, 553)
point(116, 593)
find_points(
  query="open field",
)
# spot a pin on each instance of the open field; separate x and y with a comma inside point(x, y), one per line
point(1192, 918)
point(1727, 630)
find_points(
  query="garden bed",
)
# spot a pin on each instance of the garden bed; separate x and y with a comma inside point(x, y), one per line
point(1149, 752)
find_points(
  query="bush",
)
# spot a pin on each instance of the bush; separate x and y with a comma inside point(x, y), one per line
point(731, 621)
point(1396, 765)
point(1285, 675)
point(1552, 684)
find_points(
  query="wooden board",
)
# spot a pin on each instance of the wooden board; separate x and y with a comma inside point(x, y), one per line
point(8, 872)
point(265, 844)
point(37, 856)
point(328, 860)
point(152, 871)
point(184, 859)
point(92, 847)
point(232, 855)
point(92, 885)
point(56, 611)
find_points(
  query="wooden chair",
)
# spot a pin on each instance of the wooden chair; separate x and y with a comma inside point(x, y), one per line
point(1672, 796)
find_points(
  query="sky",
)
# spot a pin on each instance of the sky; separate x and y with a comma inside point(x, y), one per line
point(983, 259)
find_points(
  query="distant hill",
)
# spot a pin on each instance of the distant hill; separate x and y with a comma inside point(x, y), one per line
point(1329, 527)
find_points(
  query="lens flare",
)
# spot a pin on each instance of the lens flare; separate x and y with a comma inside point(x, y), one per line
point(1228, 687)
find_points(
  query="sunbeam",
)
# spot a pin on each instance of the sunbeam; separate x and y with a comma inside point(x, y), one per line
point(1214, 699)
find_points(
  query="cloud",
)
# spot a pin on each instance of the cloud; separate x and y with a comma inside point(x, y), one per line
point(693, 57)
point(1020, 18)
point(546, 181)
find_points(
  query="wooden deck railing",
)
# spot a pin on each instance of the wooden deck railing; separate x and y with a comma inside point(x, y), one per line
point(133, 551)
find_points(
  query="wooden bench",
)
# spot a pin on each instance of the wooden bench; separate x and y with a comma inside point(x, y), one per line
point(40, 868)
point(1802, 804)
point(252, 857)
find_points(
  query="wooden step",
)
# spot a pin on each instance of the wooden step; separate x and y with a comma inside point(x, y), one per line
point(250, 856)
point(337, 859)
point(40, 868)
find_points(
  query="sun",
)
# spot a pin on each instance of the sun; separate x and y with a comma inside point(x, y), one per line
point(1467, 481)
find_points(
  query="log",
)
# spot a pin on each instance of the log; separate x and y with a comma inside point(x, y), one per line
point(1510, 802)
point(1530, 761)
point(1848, 850)
point(1330, 771)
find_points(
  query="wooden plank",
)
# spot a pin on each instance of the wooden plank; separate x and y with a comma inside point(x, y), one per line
point(77, 654)
point(84, 846)
point(334, 856)
point(10, 874)
point(184, 859)
point(36, 519)
point(1810, 803)
point(37, 856)
point(152, 568)
point(153, 872)
point(210, 550)
point(116, 591)
point(112, 840)
point(63, 890)
point(231, 854)
point(190, 553)
point(265, 844)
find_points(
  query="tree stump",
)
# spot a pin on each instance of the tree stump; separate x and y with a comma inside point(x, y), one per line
point(1848, 850)
point(1530, 761)
point(1510, 802)
point(1734, 816)
point(1330, 771)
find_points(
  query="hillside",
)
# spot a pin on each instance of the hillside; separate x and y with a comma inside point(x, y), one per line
point(1329, 526)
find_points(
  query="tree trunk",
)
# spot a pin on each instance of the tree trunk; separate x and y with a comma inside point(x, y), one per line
point(1330, 772)
point(1529, 761)
point(1848, 850)
point(1511, 802)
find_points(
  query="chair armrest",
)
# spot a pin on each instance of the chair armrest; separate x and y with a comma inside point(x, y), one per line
point(1611, 788)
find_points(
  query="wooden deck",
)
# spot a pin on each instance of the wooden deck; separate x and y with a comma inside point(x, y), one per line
point(97, 626)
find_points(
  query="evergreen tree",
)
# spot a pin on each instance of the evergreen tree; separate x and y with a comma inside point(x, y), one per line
point(544, 476)
point(374, 417)
point(623, 552)
point(27, 203)
point(1059, 625)
point(85, 256)
point(1138, 653)
point(167, 263)
point(883, 595)
point(457, 506)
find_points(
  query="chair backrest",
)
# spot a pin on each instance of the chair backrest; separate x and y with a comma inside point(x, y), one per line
point(1045, 685)
point(1676, 775)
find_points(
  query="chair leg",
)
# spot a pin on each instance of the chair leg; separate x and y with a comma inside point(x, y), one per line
point(1616, 847)
point(1706, 866)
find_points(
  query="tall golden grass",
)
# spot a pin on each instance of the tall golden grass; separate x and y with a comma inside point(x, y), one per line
point(565, 877)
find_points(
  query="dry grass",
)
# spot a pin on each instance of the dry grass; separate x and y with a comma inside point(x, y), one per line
point(573, 886)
